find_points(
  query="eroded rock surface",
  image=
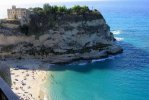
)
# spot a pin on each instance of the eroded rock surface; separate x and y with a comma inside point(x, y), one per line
point(67, 41)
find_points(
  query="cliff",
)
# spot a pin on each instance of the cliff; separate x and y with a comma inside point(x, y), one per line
point(66, 38)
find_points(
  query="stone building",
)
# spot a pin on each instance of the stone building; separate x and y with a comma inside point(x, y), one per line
point(21, 14)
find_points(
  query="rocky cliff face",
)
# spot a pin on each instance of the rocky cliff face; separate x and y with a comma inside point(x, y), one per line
point(80, 39)
point(80, 36)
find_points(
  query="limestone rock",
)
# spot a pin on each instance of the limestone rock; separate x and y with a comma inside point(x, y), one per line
point(67, 41)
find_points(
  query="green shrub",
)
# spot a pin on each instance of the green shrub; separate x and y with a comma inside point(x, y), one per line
point(48, 16)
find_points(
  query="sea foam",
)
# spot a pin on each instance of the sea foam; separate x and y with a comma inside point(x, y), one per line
point(119, 38)
point(117, 32)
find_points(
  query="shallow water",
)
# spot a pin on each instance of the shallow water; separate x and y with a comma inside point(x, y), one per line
point(123, 77)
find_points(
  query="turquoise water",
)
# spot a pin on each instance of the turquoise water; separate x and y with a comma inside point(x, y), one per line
point(123, 77)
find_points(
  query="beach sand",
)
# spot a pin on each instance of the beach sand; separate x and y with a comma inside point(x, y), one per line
point(29, 84)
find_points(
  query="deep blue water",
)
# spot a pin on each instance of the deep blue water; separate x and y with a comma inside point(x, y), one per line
point(123, 77)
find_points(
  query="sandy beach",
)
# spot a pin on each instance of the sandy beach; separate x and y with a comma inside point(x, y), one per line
point(29, 84)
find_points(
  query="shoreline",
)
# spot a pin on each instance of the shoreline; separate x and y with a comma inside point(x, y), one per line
point(28, 84)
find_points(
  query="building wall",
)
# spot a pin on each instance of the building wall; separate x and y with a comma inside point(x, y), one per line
point(17, 13)
point(21, 14)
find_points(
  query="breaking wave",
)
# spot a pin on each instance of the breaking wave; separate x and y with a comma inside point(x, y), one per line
point(117, 32)
point(119, 38)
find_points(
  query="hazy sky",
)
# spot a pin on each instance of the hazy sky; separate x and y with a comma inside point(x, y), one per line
point(5, 4)
point(8, 2)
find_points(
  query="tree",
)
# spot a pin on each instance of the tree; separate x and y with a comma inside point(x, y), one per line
point(76, 9)
point(62, 9)
point(47, 17)
point(54, 9)
point(84, 9)
point(37, 10)
point(80, 10)
point(47, 8)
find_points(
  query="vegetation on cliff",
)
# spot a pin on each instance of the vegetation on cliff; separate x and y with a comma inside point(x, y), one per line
point(60, 35)
point(42, 19)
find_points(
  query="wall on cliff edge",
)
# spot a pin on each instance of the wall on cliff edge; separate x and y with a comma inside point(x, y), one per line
point(5, 73)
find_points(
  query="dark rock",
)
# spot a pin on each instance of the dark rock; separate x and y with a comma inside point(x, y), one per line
point(114, 49)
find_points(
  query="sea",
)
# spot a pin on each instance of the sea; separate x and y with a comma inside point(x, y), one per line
point(121, 77)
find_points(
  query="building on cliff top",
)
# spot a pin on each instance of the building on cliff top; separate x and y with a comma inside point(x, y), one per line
point(21, 14)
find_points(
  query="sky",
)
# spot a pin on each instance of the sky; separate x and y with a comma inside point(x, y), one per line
point(10, 2)
point(5, 4)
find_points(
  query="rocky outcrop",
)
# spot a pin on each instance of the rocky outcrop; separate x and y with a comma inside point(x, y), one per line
point(114, 49)
point(94, 54)
point(67, 41)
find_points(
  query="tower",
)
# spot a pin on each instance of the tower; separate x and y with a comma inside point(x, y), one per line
point(13, 7)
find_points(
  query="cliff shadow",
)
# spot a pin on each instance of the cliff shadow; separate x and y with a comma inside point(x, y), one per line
point(132, 58)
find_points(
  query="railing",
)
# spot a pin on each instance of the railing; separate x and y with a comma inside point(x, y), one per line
point(5, 91)
point(2, 95)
